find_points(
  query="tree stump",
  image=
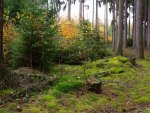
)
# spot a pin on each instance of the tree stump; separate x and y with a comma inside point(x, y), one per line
point(94, 85)
point(133, 61)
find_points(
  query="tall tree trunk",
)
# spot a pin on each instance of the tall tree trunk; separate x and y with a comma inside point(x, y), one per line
point(120, 28)
point(125, 26)
point(96, 17)
point(116, 31)
point(106, 21)
point(145, 21)
point(129, 36)
point(83, 8)
point(69, 10)
point(148, 39)
point(47, 5)
point(113, 29)
point(139, 29)
point(93, 12)
point(80, 12)
point(1, 31)
point(134, 22)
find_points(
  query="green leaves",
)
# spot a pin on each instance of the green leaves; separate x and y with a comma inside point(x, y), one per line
point(37, 39)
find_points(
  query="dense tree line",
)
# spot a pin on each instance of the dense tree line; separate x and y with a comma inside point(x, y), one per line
point(140, 34)
point(121, 28)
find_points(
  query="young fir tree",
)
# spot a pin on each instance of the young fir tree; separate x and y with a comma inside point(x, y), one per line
point(35, 48)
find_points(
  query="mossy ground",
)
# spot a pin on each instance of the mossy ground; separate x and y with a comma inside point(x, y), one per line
point(125, 89)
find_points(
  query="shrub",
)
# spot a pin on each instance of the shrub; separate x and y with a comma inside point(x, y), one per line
point(87, 45)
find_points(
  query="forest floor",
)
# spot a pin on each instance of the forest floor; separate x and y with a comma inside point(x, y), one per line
point(125, 88)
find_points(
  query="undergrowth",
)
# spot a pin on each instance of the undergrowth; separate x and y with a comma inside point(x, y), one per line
point(124, 87)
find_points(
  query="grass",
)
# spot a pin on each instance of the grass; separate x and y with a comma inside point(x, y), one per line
point(125, 87)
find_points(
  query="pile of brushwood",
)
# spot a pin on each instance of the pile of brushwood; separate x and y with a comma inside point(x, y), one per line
point(24, 81)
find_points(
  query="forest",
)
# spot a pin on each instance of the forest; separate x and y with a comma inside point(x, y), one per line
point(51, 63)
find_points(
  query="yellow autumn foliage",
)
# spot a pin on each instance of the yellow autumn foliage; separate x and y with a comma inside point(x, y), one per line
point(69, 29)
point(9, 34)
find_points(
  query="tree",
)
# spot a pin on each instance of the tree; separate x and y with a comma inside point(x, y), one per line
point(106, 21)
point(120, 28)
point(145, 22)
point(35, 46)
point(93, 13)
point(80, 12)
point(148, 39)
point(69, 10)
point(125, 26)
point(14, 6)
point(129, 31)
point(1, 31)
point(114, 26)
point(96, 13)
point(139, 29)
point(83, 6)
point(134, 24)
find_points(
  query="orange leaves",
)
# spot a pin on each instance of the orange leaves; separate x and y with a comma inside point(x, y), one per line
point(69, 29)
point(9, 31)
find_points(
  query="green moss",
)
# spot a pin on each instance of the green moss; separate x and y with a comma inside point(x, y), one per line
point(119, 60)
point(116, 70)
point(33, 109)
point(124, 83)
point(12, 107)
point(146, 110)
point(69, 86)
point(47, 97)
point(143, 99)
point(3, 111)
point(57, 93)
point(5, 92)
point(92, 71)
point(52, 105)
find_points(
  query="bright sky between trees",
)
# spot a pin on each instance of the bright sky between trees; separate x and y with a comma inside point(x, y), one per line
point(88, 12)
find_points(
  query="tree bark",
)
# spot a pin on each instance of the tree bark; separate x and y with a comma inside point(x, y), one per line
point(96, 17)
point(144, 25)
point(113, 29)
point(69, 10)
point(93, 12)
point(125, 26)
point(120, 28)
point(129, 36)
point(80, 12)
point(148, 39)
point(83, 8)
point(139, 29)
point(47, 5)
point(1, 31)
point(106, 21)
point(134, 22)
point(116, 31)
